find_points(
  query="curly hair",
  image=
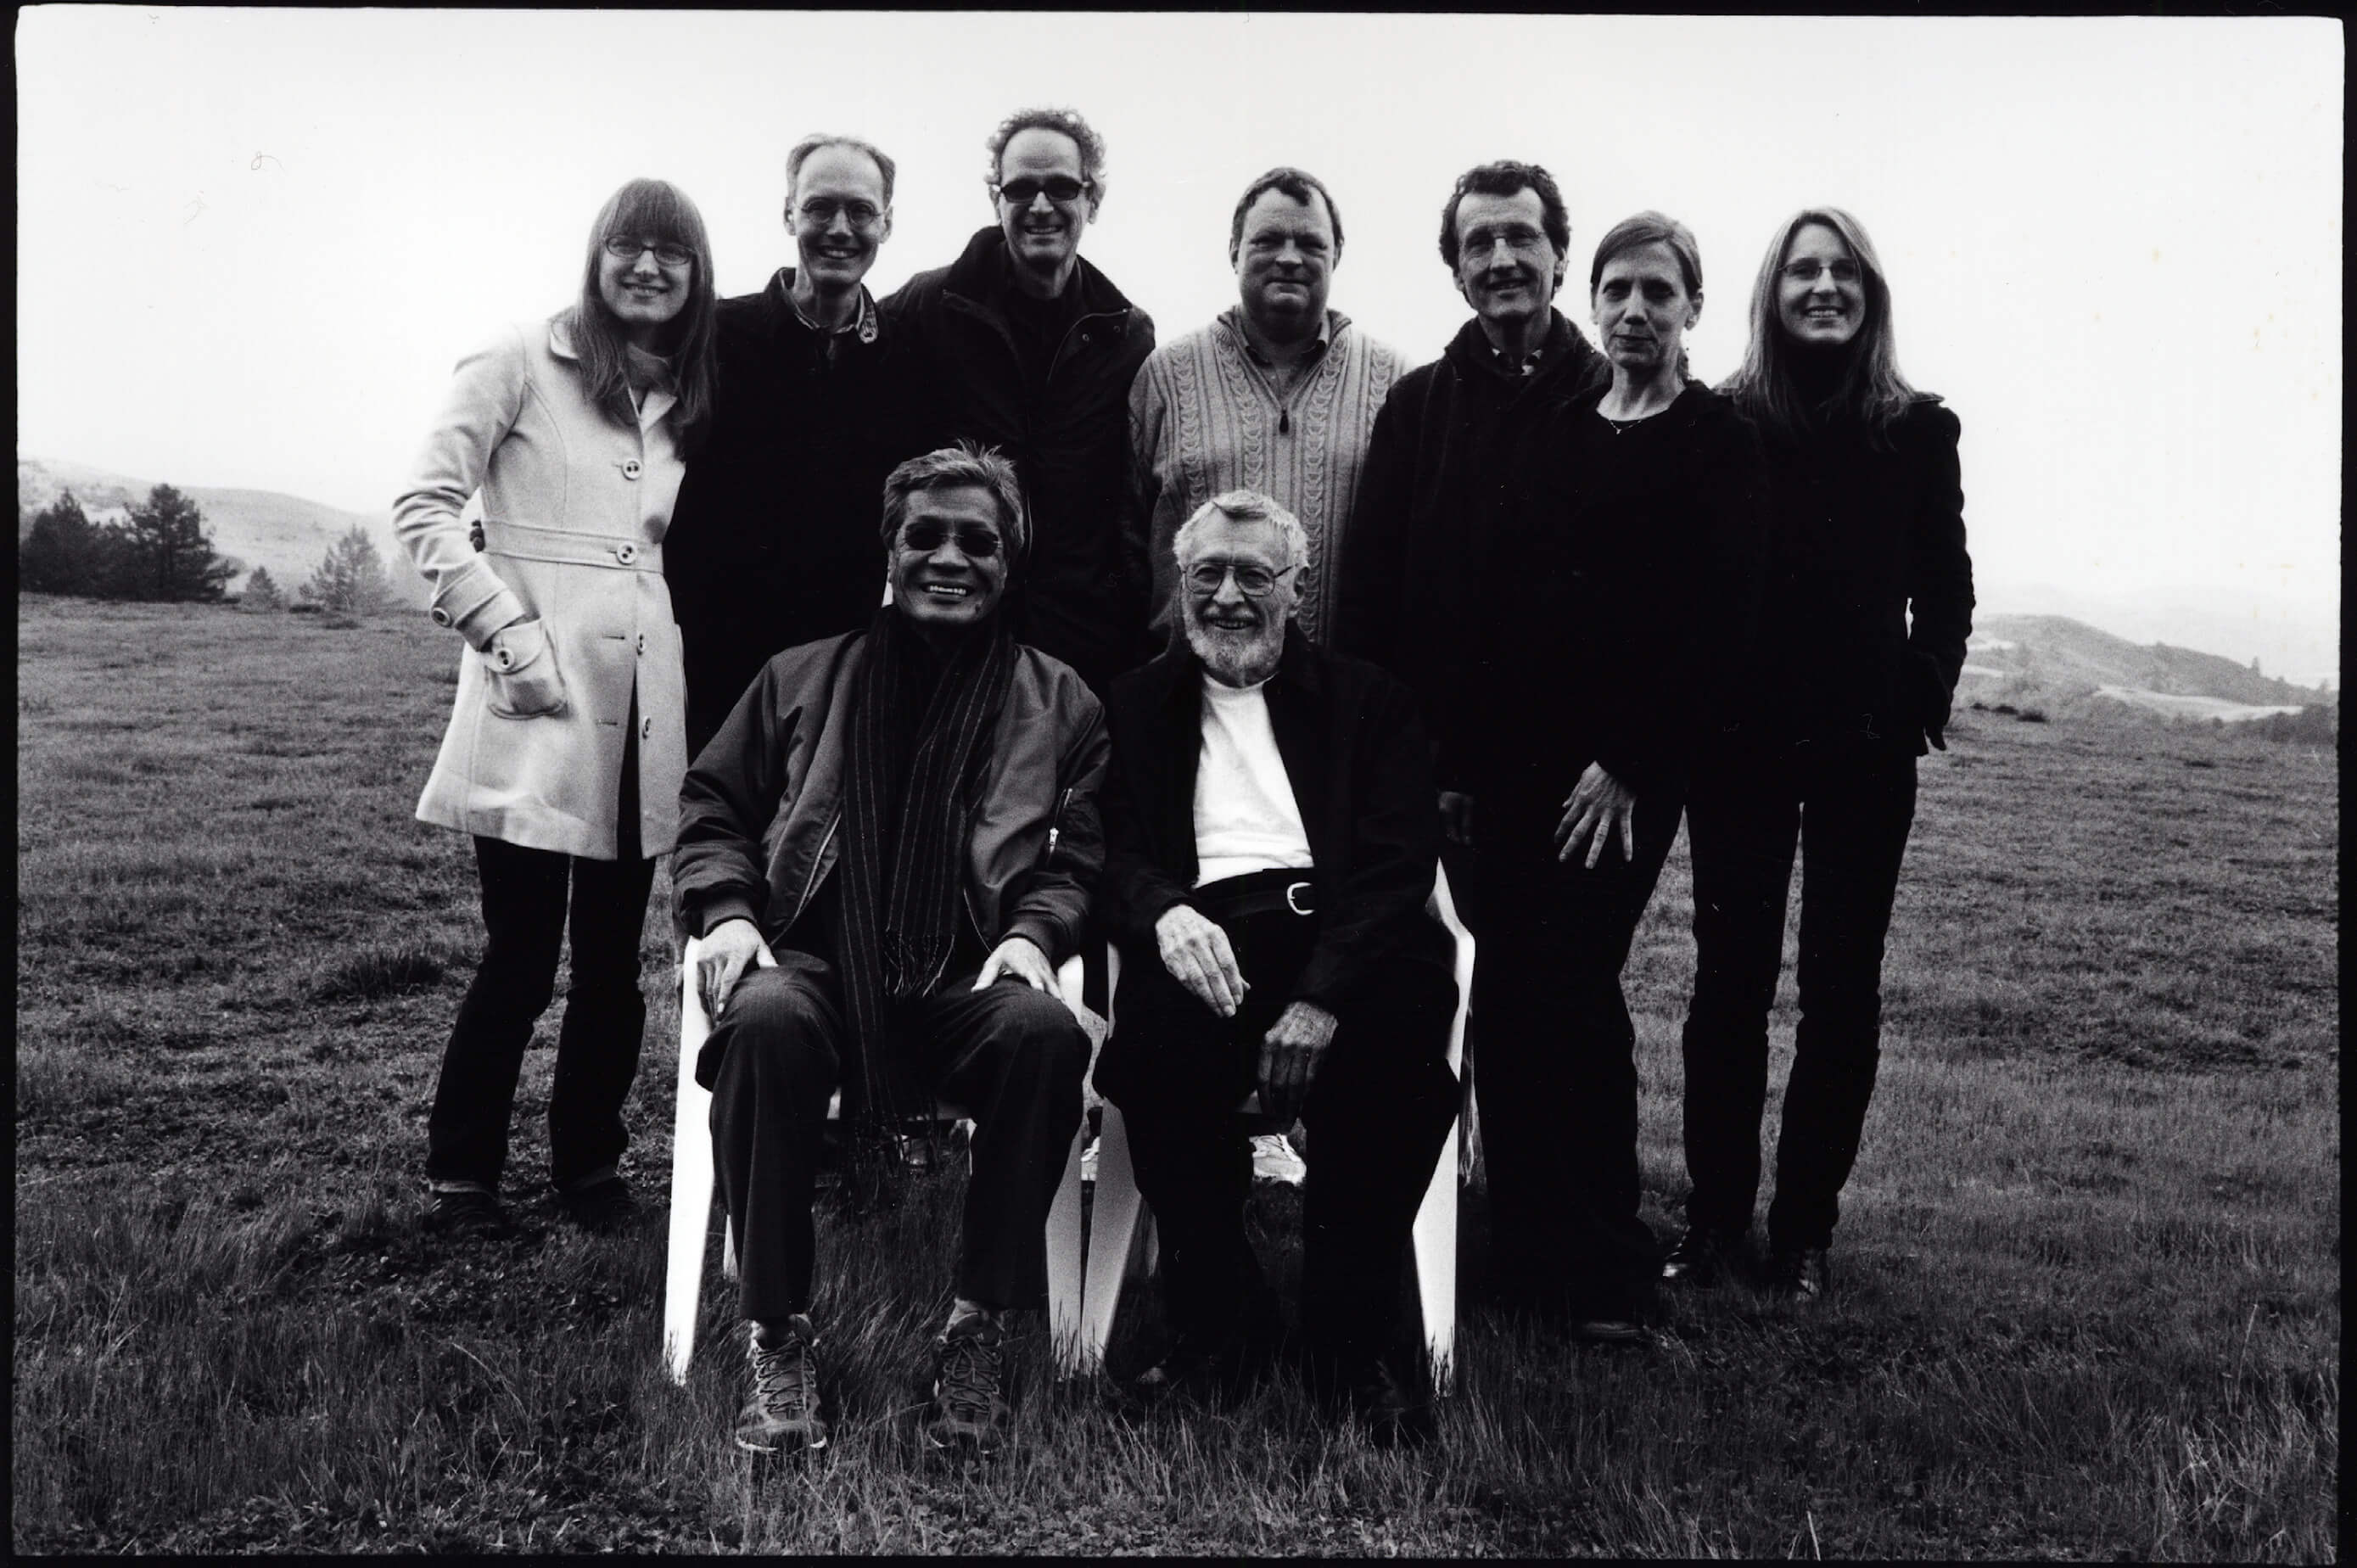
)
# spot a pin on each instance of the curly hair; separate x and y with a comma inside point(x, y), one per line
point(1507, 177)
point(1064, 123)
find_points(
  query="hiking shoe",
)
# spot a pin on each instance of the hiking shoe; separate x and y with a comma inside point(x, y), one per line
point(1800, 1273)
point(1700, 1257)
point(968, 1411)
point(786, 1413)
point(605, 1205)
point(468, 1214)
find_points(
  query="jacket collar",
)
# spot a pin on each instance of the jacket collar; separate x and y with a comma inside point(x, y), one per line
point(865, 325)
point(1330, 332)
point(658, 400)
point(980, 274)
point(560, 335)
point(1565, 359)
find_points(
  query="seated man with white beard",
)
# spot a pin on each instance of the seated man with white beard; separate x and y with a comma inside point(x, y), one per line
point(1271, 833)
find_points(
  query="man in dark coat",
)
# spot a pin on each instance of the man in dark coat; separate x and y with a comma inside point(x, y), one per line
point(772, 541)
point(1028, 348)
point(1270, 842)
point(885, 849)
point(1434, 481)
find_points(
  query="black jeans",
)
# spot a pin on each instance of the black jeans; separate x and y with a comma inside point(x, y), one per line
point(530, 897)
point(1557, 1075)
point(1849, 809)
point(1009, 1057)
point(1377, 1114)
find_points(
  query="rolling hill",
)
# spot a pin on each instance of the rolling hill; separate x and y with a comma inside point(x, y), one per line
point(2071, 668)
point(258, 528)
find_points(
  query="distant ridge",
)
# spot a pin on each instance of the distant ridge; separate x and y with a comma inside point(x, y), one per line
point(288, 534)
point(2067, 667)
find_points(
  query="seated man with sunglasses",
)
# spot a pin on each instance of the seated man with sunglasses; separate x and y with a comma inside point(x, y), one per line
point(906, 819)
point(1272, 835)
point(1027, 346)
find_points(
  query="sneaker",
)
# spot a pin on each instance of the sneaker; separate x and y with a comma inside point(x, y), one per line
point(1800, 1273)
point(605, 1205)
point(1273, 1159)
point(468, 1213)
point(1700, 1257)
point(786, 1413)
point(968, 1411)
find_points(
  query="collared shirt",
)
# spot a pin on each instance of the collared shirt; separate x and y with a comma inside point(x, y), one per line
point(1284, 374)
point(863, 320)
point(1527, 365)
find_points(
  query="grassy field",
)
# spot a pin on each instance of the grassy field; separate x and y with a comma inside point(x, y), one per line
point(2089, 1263)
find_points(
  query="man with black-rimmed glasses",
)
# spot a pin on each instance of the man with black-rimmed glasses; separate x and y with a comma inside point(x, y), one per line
point(773, 538)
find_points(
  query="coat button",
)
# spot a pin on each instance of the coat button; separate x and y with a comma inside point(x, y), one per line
point(630, 468)
point(626, 553)
point(643, 642)
point(506, 659)
point(646, 729)
point(441, 617)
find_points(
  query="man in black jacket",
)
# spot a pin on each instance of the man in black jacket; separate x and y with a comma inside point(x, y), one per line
point(1270, 842)
point(1434, 481)
point(1028, 348)
point(772, 541)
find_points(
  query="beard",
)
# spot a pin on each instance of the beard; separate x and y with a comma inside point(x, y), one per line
point(1239, 658)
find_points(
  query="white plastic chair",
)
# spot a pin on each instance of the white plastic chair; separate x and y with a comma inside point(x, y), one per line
point(691, 1190)
point(1121, 1230)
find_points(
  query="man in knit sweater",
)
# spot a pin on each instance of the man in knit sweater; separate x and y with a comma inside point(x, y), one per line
point(1278, 394)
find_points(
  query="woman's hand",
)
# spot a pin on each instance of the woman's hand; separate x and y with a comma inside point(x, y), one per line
point(1597, 806)
point(1199, 957)
point(525, 680)
point(1290, 1056)
point(728, 947)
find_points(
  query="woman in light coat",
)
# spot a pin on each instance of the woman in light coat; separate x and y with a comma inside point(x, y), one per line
point(568, 741)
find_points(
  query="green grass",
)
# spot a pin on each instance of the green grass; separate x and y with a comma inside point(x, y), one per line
point(2089, 1263)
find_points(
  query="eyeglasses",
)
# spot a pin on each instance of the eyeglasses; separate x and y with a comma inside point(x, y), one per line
point(666, 253)
point(822, 210)
point(1844, 270)
point(924, 538)
point(1257, 582)
point(1060, 187)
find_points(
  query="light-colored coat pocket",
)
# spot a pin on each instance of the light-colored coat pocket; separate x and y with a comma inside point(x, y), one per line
point(525, 682)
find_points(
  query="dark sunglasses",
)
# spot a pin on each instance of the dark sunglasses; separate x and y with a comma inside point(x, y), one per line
point(924, 538)
point(1060, 187)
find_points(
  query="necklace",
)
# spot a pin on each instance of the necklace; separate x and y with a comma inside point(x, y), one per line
point(1618, 426)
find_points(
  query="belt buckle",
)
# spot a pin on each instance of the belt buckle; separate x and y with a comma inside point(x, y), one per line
point(1294, 887)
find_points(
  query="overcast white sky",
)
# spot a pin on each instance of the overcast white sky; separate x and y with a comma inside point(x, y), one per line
point(251, 243)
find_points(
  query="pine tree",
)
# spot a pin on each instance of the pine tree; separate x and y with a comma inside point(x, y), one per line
point(171, 553)
point(262, 591)
point(350, 578)
point(64, 552)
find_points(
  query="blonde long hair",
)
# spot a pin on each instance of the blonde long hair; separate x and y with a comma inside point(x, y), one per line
point(1871, 387)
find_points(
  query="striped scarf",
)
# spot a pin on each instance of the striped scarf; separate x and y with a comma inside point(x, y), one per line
point(903, 845)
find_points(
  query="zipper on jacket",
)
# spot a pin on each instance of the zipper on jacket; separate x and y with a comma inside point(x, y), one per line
point(817, 861)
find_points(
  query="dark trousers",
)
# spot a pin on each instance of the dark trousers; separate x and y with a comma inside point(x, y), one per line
point(1377, 1114)
point(1849, 809)
point(1558, 1069)
point(531, 896)
point(1009, 1057)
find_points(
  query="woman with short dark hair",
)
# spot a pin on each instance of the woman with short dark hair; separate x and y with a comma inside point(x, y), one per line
point(1868, 602)
point(1616, 590)
point(567, 739)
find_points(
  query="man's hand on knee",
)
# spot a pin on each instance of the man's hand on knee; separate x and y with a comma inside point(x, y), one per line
point(728, 947)
point(1197, 954)
point(1020, 957)
point(1290, 1055)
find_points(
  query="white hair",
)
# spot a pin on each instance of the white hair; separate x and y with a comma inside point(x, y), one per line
point(1244, 506)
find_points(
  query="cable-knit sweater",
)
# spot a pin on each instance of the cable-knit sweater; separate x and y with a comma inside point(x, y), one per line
point(1205, 416)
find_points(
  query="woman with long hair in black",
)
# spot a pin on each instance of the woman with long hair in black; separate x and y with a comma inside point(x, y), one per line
point(1862, 628)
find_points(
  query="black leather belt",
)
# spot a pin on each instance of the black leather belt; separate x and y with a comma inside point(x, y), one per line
point(1259, 893)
